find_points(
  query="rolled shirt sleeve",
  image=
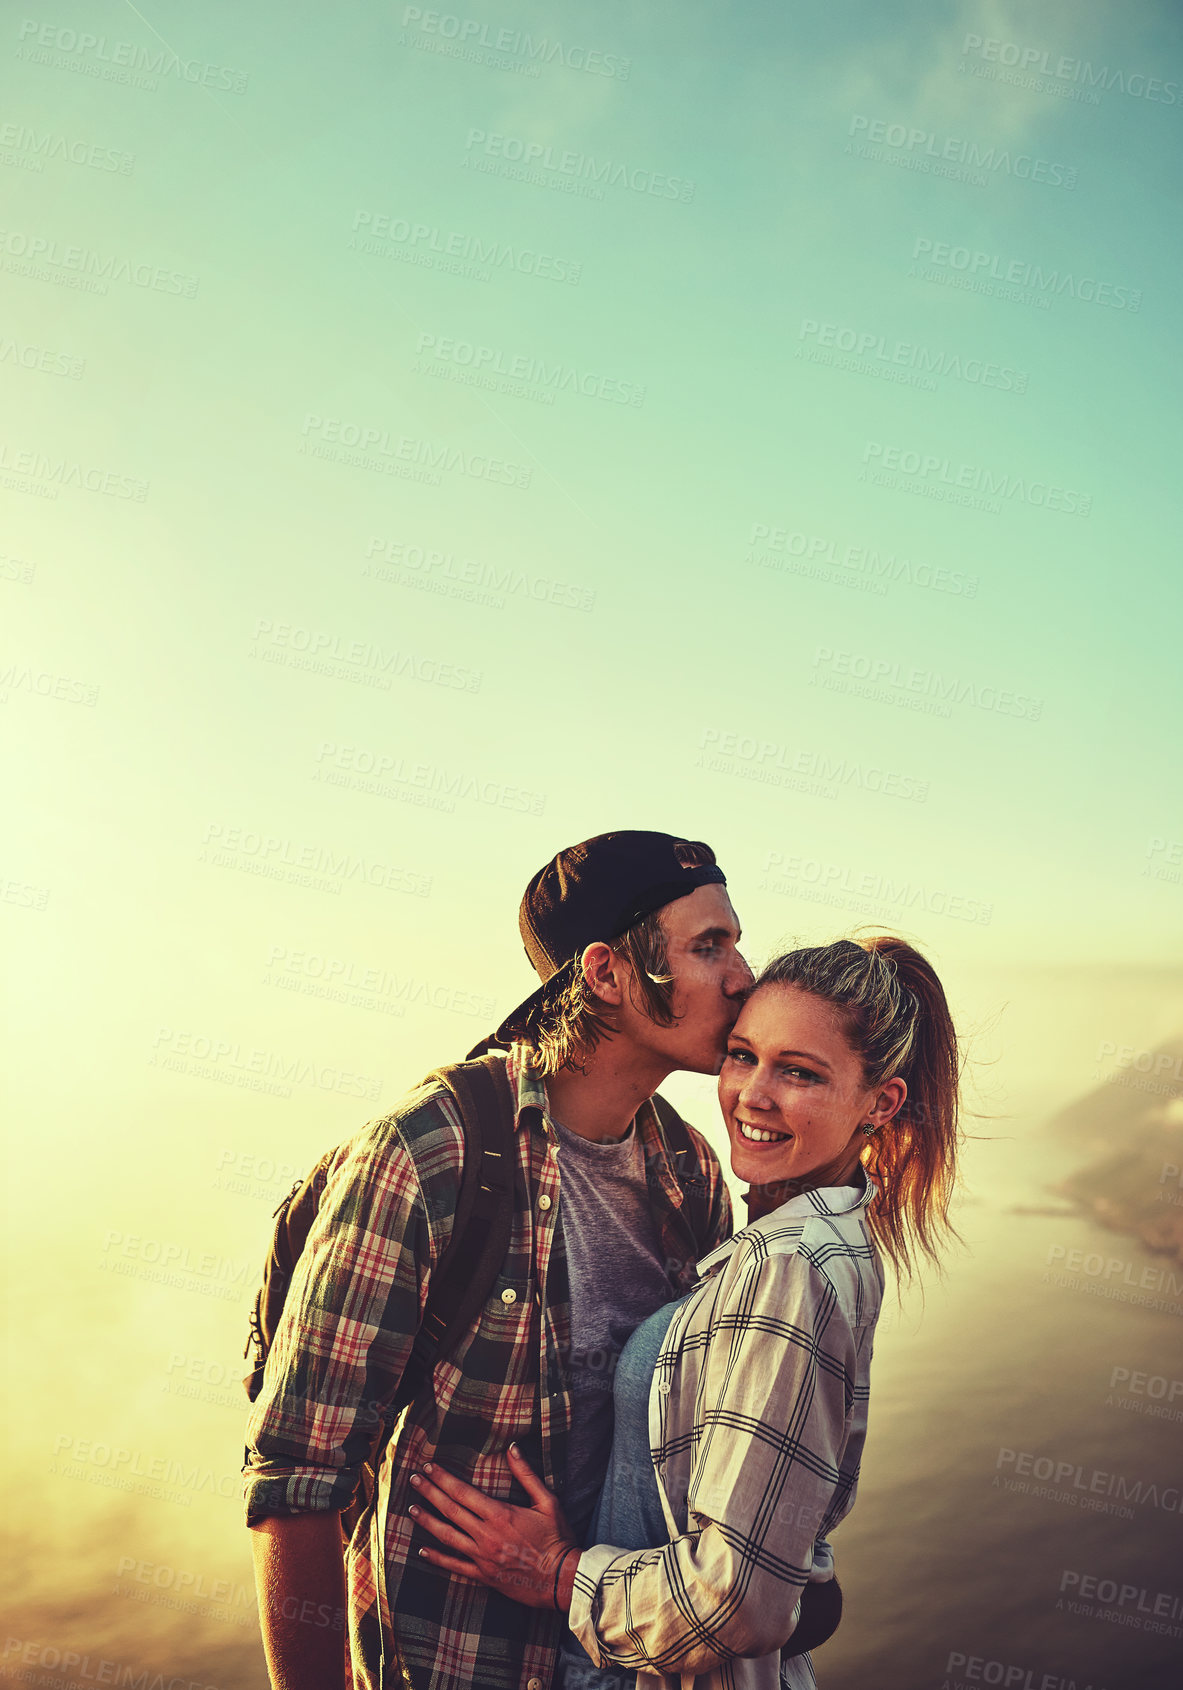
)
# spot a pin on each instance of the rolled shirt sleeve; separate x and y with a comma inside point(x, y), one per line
point(772, 1407)
point(345, 1335)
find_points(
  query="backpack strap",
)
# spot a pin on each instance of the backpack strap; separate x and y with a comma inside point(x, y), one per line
point(687, 1167)
point(483, 1222)
point(481, 1227)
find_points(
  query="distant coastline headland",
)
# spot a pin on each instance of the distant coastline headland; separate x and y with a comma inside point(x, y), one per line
point(1132, 1123)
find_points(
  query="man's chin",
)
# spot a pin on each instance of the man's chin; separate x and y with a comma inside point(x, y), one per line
point(708, 1062)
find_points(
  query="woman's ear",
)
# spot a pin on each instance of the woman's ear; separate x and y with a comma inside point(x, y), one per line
point(889, 1100)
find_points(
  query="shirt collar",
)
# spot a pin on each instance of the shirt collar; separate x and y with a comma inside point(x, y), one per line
point(529, 1086)
point(826, 1200)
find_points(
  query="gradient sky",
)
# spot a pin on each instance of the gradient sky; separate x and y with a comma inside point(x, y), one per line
point(679, 681)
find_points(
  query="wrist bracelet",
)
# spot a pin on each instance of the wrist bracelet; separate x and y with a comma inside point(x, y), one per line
point(558, 1571)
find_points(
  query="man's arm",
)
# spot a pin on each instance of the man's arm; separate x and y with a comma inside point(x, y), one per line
point(300, 1580)
point(348, 1325)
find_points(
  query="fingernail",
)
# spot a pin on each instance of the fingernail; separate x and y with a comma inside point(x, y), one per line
point(427, 1466)
point(413, 1512)
point(415, 1479)
point(424, 1554)
point(514, 1450)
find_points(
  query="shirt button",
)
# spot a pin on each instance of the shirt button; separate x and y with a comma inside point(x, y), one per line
point(544, 1202)
point(509, 1295)
point(533, 1684)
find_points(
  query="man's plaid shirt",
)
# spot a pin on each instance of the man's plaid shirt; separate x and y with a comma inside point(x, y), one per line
point(352, 1310)
point(757, 1418)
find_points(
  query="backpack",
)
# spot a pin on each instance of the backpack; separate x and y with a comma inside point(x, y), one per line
point(466, 1271)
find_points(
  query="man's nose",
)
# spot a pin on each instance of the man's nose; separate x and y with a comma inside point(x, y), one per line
point(740, 978)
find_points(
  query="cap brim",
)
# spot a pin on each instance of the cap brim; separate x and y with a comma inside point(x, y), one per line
point(512, 1026)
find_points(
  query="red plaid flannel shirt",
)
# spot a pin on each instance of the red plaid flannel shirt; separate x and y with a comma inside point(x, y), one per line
point(349, 1321)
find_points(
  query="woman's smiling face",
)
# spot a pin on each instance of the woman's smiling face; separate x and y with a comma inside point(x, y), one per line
point(792, 1091)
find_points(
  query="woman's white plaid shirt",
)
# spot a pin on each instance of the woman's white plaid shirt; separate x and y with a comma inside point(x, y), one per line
point(756, 1419)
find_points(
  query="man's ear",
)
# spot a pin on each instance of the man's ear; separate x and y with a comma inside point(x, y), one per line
point(605, 973)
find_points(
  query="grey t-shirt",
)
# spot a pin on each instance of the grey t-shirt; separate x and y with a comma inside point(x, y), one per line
point(618, 1278)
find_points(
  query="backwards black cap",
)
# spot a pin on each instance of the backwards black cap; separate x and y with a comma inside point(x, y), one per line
point(595, 891)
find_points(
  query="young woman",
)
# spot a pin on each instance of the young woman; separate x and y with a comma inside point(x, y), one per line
point(742, 1407)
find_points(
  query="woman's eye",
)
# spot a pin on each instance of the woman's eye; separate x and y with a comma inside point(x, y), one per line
point(737, 1055)
point(802, 1073)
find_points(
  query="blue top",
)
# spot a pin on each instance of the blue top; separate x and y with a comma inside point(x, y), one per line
point(629, 1514)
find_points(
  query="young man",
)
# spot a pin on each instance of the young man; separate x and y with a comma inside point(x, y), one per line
point(635, 941)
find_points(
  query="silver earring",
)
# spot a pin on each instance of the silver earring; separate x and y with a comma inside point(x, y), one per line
point(869, 1128)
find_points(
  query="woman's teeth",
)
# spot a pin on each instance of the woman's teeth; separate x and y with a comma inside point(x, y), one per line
point(758, 1135)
